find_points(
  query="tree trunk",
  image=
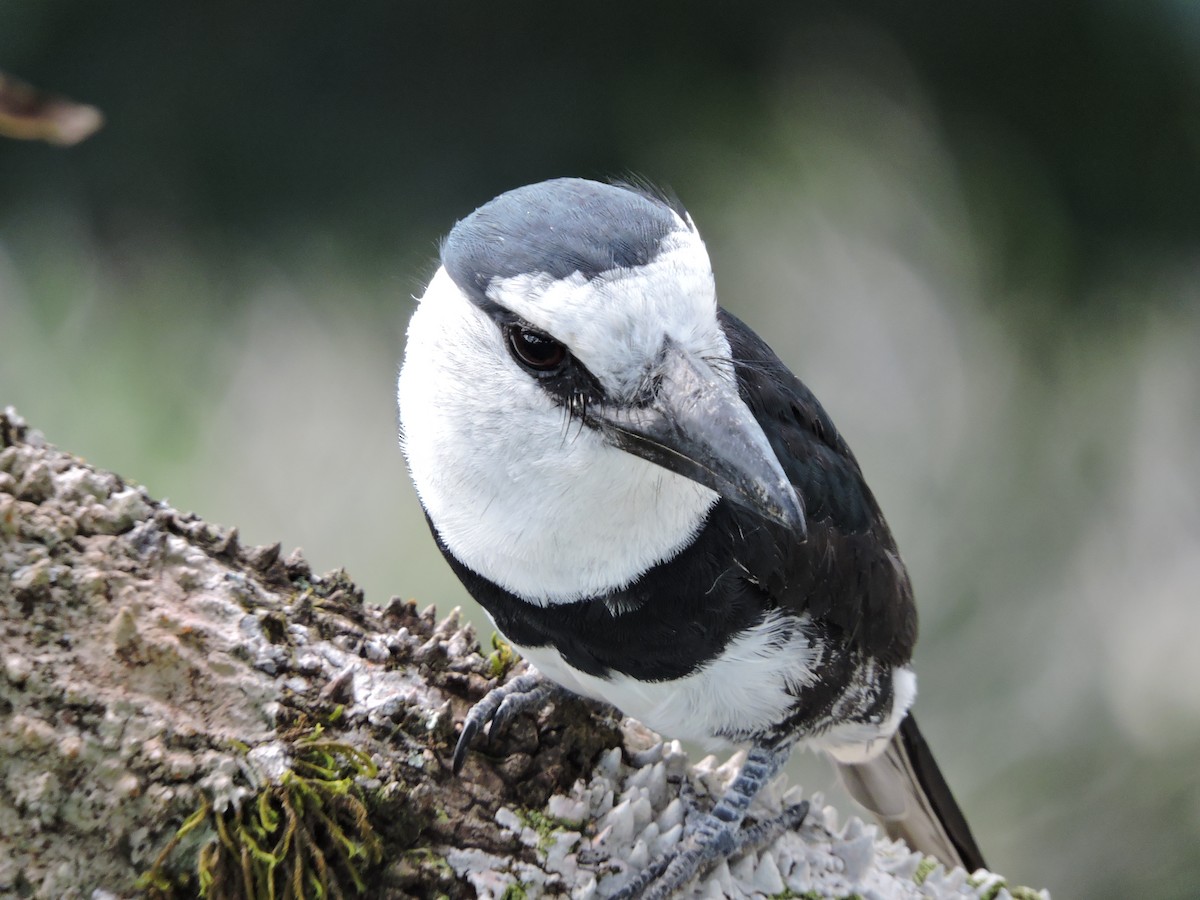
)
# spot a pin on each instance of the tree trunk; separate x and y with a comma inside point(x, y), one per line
point(181, 714)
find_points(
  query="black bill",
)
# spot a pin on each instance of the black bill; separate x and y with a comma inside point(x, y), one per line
point(697, 426)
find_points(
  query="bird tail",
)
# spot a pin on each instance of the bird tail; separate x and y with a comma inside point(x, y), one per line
point(904, 789)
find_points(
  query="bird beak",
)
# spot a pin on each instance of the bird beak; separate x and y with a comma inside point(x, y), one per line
point(697, 426)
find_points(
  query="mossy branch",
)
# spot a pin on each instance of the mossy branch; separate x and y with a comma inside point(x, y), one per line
point(181, 715)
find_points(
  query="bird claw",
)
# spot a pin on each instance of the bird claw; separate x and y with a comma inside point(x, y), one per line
point(499, 707)
point(514, 704)
point(762, 833)
point(653, 883)
point(720, 833)
point(705, 847)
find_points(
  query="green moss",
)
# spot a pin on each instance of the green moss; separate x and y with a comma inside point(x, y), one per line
point(545, 826)
point(308, 835)
point(515, 892)
point(1024, 893)
point(502, 658)
point(924, 867)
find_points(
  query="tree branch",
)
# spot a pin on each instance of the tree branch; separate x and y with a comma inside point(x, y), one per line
point(182, 713)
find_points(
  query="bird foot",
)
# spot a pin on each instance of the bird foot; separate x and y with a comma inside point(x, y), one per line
point(711, 842)
point(499, 707)
point(719, 834)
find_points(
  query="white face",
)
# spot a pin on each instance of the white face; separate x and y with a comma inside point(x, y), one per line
point(521, 494)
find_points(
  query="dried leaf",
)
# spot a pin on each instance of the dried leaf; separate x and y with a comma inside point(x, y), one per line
point(29, 114)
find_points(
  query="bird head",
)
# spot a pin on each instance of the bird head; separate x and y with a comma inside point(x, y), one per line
point(568, 405)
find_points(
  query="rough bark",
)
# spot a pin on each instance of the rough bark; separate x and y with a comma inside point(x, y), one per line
point(179, 713)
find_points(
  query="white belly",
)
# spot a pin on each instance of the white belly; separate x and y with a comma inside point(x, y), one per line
point(750, 686)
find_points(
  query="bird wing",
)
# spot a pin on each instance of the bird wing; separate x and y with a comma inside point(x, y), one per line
point(848, 572)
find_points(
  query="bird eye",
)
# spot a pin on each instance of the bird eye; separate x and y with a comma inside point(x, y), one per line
point(535, 350)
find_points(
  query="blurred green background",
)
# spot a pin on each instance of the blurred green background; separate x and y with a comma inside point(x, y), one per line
point(972, 229)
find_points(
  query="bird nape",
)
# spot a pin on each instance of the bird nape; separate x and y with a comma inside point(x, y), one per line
point(658, 514)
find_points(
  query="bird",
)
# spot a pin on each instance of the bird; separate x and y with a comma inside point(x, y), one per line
point(658, 514)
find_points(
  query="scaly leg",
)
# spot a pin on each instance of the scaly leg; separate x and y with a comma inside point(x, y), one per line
point(499, 706)
point(719, 834)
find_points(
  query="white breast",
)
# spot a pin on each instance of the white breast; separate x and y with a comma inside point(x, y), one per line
point(749, 687)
